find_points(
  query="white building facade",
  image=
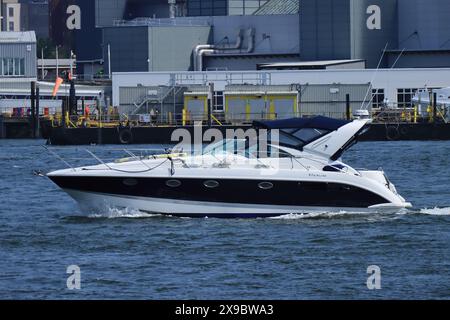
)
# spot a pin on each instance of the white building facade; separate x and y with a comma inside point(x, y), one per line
point(396, 85)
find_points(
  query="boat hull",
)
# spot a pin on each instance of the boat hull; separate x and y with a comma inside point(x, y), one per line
point(100, 203)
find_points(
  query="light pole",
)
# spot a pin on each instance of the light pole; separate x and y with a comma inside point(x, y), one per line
point(71, 63)
point(57, 63)
point(109, 61)
point(42, 63)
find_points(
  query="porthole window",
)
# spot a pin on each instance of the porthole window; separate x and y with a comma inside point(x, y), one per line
point(265, 185)
point(173, 183)
point(130, 182)
point(211, 184)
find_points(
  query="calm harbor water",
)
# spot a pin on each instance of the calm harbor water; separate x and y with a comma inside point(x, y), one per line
point(129, 255)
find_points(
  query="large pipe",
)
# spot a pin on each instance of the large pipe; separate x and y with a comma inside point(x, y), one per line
point(203, 49)
point(236, 45)
point(200, 57)
point(236, 48)
point(196, 52)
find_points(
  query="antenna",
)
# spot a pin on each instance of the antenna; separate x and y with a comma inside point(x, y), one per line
point(373, 76)
point(392, 67)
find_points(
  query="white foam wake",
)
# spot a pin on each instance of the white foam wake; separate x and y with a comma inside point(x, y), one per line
point(315, 214)
point(436, 211)
point(114, 213)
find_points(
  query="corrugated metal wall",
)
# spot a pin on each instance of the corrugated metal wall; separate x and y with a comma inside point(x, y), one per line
point(368, 43)
point(262, 88)
point(130, 95)
point(325, 29)
point(129, 48)
point(248, 102)
point(330, 100)
point(170, 48)
point(26, 51)
point(140, 100)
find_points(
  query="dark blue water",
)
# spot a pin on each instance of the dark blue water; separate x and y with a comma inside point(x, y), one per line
point(125, 255)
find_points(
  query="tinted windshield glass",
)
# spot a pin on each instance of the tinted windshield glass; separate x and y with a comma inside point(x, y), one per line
point(230, 146)
point(297, 138)
point(242, 148)
point(309, 134)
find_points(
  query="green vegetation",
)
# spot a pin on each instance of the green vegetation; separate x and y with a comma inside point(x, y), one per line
point(50, 49)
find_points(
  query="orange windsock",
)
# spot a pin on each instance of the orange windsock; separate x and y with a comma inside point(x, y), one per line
point(58, 83)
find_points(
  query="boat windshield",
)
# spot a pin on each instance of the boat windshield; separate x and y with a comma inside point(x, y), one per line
point(226, 146)
point(243, 148)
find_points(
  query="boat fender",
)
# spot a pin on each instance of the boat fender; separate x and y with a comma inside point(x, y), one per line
point(392, 133)
point(125, 136)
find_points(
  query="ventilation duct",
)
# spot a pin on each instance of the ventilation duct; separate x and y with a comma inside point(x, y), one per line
point(236, 48)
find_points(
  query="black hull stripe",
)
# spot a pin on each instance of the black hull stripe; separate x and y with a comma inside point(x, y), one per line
point(283, 193)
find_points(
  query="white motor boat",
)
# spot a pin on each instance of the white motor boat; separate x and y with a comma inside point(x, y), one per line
point(302, 173)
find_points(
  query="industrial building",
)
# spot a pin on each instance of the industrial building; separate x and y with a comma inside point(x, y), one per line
point(18, 68)
point(17, 55)
point(162, 50)
point(209, 43)
point(25, 15)
point(398, 33)
point(97, 43)
point(246, 95)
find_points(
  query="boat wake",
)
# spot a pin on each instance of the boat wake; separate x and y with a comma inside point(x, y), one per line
point(316, 215)
point(436, 211)
point(128, 213)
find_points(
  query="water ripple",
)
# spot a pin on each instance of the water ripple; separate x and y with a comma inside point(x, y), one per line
point(127, 254)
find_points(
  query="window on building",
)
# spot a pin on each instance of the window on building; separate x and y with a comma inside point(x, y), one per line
point(377, 98)
point(11, 26)
point(17, 71)
point(218, 101)
point(404, 97)
point(207, 8)
point(11, 12)
point(12, 67)
point(244, 7)
point(22, 67)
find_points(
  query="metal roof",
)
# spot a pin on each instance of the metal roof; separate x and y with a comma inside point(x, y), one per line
point(63, 63)
point(17, 37)
point(310, 63)
point(279, 7)
point(21, 86)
